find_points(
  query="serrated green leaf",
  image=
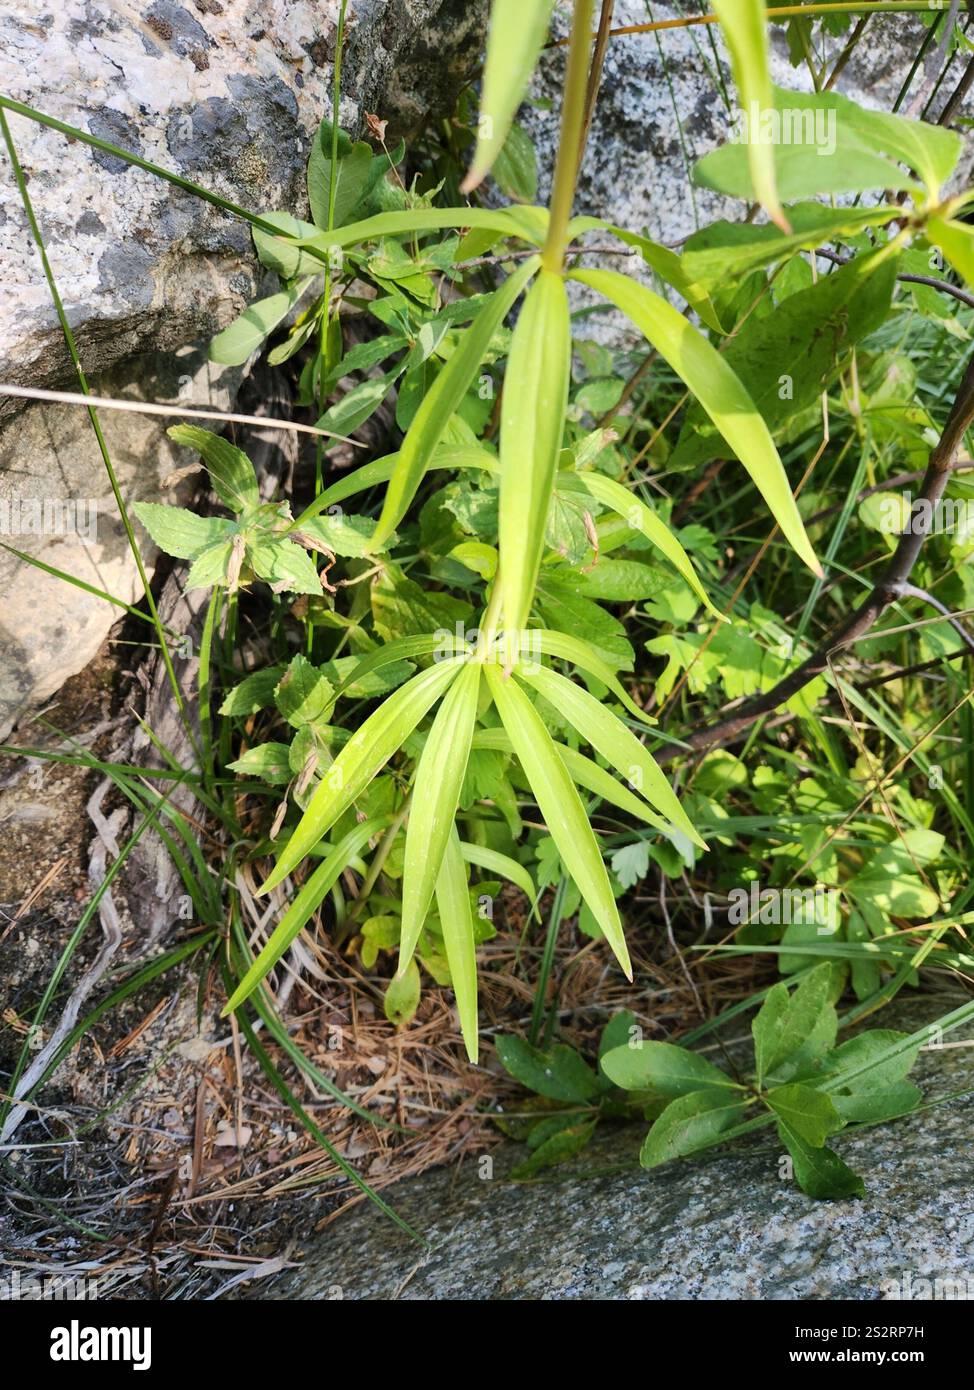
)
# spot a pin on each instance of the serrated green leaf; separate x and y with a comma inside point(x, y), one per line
point(211, 566)
point(267, 761)
point(561, 807)
point(436, 791)
point(517, 30)
point(180, 532)
point(231, 471)
point(255, 692)
point(717, 388)
point(364, 755)
point(617, 744)
point(662, 1067)
point(440, 403)
point(303, 695)
point(285, 566)
point(532, 422)
point(456, 921)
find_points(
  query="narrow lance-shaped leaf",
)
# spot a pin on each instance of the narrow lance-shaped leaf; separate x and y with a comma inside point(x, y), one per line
point(532, 421)
point(719, 391)
point(496, 863)
point(365, 753)
point(456, 919)
point(585, 772)
point(561, 807)
point(443, 398)
point(581, 654)
point(517, 31)
point(436, 791)
point(744, 26)
point(643, 519)
point(417, 220)
point(311, 896)
point(600, 727)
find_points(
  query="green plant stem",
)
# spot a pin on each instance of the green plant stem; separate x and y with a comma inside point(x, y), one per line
point(570, 142)
point(547, 960)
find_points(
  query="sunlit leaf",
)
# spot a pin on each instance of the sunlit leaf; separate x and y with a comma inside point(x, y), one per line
point(718, 390)
point(436, 791)
point(561, 807)
point(744, 26)
point(617, 744)
point(532, 421)
point(456, 920)
point(365, 753)
point(517, 31)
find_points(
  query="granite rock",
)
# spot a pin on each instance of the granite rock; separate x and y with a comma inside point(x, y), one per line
point(727, 1225)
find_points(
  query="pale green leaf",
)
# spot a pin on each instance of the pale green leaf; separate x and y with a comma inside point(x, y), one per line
point(364, 755)
point(436, 791)
point(517, 30)
point(532, 421)
point(560, 806)
point(232, 473)
point(180, 532)
point(717, 388)
point(617, 744)
point(496, 863)
point(456, 920)
point(641, 518)
point(744, 26)
point(244, 336)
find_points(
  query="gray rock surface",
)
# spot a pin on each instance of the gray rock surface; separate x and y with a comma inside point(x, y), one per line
point(52, 476)
point(728, 1225)
point(660, 109)
point(227, 93)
